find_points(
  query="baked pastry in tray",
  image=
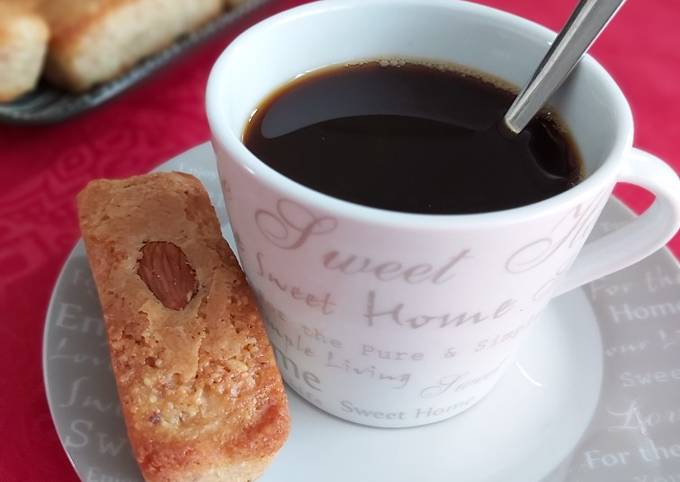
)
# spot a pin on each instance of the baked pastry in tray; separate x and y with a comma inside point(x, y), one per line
point(23, 44)
point(88, 51)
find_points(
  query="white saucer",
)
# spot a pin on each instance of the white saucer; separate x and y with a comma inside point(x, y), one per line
point(558, 416)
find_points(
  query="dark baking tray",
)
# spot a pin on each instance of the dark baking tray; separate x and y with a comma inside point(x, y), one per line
point(46, 104)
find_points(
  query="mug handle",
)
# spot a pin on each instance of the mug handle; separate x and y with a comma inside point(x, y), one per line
point(637, 240)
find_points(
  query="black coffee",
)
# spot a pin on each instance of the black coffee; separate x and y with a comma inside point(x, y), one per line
point(410, 138)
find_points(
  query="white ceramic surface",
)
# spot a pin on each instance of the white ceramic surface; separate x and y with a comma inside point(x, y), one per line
point(389, 314)
point(565, 412)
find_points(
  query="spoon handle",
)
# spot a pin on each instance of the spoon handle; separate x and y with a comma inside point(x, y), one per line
point(586, 22)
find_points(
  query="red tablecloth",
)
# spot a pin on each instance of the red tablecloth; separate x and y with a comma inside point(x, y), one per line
point(42, 168)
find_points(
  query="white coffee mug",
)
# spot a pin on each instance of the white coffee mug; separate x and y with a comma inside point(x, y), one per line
point(392, 319)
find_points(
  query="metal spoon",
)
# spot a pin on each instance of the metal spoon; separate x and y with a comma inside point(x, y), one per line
point(589, 18)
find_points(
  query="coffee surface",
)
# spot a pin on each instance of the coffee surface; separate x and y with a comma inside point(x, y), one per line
point(410, 138)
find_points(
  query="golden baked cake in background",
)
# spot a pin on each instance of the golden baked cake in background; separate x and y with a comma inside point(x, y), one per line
point(90, 41)
point(96, 40)
point(23, 43)
point(199, 388)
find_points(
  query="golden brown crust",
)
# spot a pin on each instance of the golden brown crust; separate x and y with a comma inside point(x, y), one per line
point(200, 391)
point(68, 18)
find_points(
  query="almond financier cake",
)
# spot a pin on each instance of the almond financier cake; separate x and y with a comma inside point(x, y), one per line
point(198, 384)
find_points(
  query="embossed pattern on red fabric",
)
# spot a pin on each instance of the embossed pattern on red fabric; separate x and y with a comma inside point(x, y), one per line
point(42, 169)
